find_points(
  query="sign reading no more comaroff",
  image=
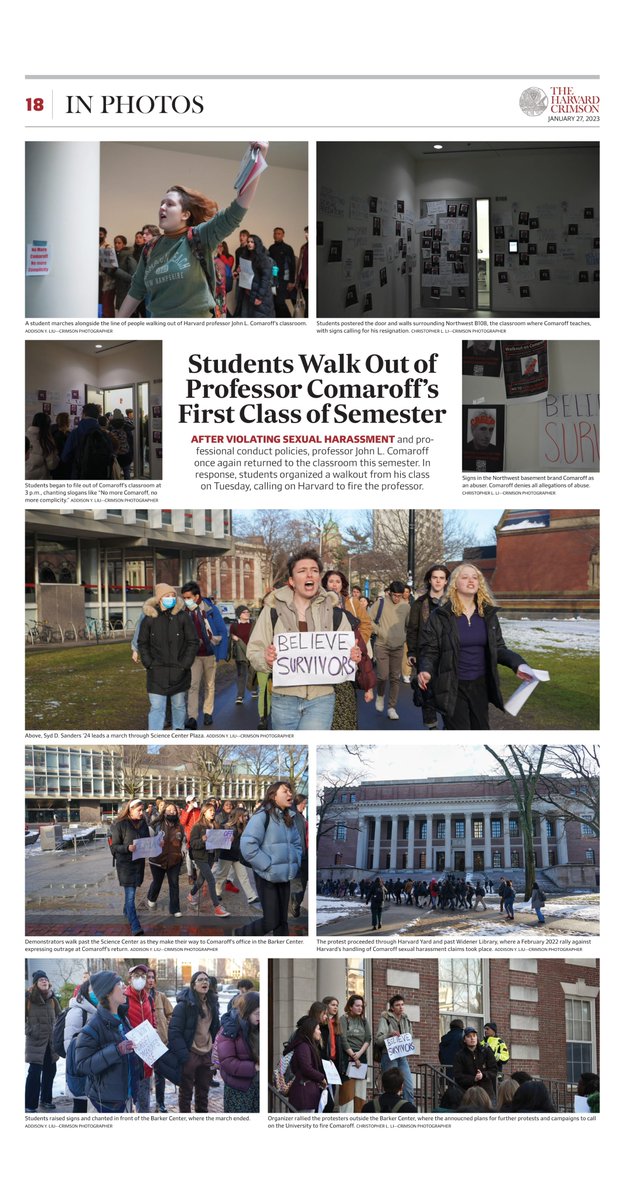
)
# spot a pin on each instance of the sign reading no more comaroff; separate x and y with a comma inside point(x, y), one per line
point(313, 658)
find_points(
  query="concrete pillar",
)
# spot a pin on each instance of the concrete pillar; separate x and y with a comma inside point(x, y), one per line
point(506, 840)
point(410, 859)
point(394, 830)
point(448, 862)
point(544, 841)
point(488, 849)
point(361, 848)
point(63, 208)
point(468, 842)
point(377, 837)
point(428, 843)
point(562, 848)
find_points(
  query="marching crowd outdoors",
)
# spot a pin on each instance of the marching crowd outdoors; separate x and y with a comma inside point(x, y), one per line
point(449, 892)
point(100, 446)
point(328, 1045)
point(105, 1074)
point(446, 643)
point(265, 855)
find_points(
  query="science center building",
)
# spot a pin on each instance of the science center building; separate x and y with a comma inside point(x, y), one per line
point(466, 825)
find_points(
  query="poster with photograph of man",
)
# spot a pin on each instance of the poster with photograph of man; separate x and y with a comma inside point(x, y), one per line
point(526, 370)
point(351, 296)
point(373, 204)
point(376, 227)
point(499, 233)
point(335, 252)
point(483, 430)
point(481, 358)
point(463, 210)
point(367, 258)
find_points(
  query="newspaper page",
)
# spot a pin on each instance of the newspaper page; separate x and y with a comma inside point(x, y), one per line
point(312, 507)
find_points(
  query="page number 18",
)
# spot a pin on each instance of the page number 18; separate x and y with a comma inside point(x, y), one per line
point(34, 105)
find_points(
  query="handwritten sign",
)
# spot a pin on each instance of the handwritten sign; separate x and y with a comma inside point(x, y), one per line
point(569, 432)
point(313, 657)
point(218, 839)
point(149, 847)
point(38, 258)
point(146, 1042)
point(400, 1046)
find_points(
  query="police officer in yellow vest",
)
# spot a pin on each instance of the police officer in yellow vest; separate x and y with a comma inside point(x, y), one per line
point(498, 1047)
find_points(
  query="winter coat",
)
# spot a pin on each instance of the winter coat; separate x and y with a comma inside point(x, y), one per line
point(79, 1012)
point(450, 1044)
point(140, 1008)
point(272, 848)
point(213, 636)
point(359, 610)
point(319, 617)
point(237, 1065)
point(537, 898)
point(112, 1078)
point(173, 844)
point(123, 273)
point(284, 257)
point(440, 649)
point(38, 464)
point(123, 834)
point(420, 613)
point(184, 1021)
point(389, 1026)
point(162, 1012)
point(242, 633)
point(41, 1013)
point(197, 846)
point(468, 1061)
point(167, 646)
point(310, 1080)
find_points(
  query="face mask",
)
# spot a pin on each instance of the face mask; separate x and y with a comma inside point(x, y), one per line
point(172, 820)
point(138, 982)
point(190, 604)
point(168, 601)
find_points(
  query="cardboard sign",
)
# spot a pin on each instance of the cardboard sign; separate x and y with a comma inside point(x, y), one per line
point(218, 839)
point(317, 657)
point(149, 847)
point(400, 1046)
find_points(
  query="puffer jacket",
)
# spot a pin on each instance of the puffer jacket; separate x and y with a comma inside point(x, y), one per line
point(167, 646)
point(440, 649)
point(79, 1013)
point(272, 848)
point(237, 1066)
point(173, 844)
point(184, 1021)
point(41, 1013)
point(112, 1078)
point(319, 618)
point(123, 834)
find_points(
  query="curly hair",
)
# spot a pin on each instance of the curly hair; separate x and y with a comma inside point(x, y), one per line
point(483, 595)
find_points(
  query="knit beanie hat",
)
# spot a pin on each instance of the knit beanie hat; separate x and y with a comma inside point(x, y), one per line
point(490, 1025)
point(162, 589)
point(103, 982)
point(39, 975)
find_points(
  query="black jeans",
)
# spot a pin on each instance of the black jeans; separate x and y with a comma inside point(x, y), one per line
point(274, 898)
point(471, 711)
point(173, 876)
point(39, 1081)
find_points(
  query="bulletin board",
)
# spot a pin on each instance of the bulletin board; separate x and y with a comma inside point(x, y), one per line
point(447, 246)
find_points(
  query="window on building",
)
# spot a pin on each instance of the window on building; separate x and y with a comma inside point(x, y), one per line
point(353, 797)
point(340, 833)
point(515, 858)
point(388, 830)
point(355, 977)
point(440, 829)
point(423, 829)
point(514, 827)
point(461, 991)
point(551, 829)
point(338, 859)
point(421, 863)
point(459, 827)
point(495, 827)
point(478, 827)
point(497, 859)
point(56, 560)
point(586, 830)
point(590, 855)
point(404, 830)
point(578, 1037)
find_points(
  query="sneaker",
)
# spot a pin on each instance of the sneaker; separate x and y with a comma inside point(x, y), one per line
point(178, 914)
point(31, 1110)
point(393, 714)
point(49, 1107)
point(151, 903)
point(221, 912)
point(208, 720)
point(190, 723)
point(255, 903)
point(239, 700)
point(264, 724)
point(434, 726)
point(161, 1108)
point(254, 695)
point(230, 887)
point(406, 678)
point(379, 704)
point(138, 932)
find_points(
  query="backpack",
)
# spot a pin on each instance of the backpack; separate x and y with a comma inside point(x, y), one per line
point(281, 1072)
point(377, 1107)
point(58, 1031)
point(94, 455)
point(77, 1083)
point(122, 438)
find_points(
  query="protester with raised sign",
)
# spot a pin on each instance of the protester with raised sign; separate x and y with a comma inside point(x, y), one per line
point(169, 861)
point(271, 846)
point(460, 650)
point(129, 826)
point(303, 607)
point(394, 1023)
point(204, 859)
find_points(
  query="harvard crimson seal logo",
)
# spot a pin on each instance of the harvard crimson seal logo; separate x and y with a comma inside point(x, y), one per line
point(533, 102)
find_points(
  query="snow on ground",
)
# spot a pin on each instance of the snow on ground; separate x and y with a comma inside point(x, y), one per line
point(575, 633)
point(329, 910)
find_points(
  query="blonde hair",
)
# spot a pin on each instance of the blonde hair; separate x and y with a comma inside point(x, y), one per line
point(483, 595)
point(505, 1092)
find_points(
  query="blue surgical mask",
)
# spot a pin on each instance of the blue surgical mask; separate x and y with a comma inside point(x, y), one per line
point(168, 601)
point(190, 604)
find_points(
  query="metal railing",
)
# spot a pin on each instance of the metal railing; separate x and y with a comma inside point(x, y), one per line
point(278, 1102)
point(94, 630)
